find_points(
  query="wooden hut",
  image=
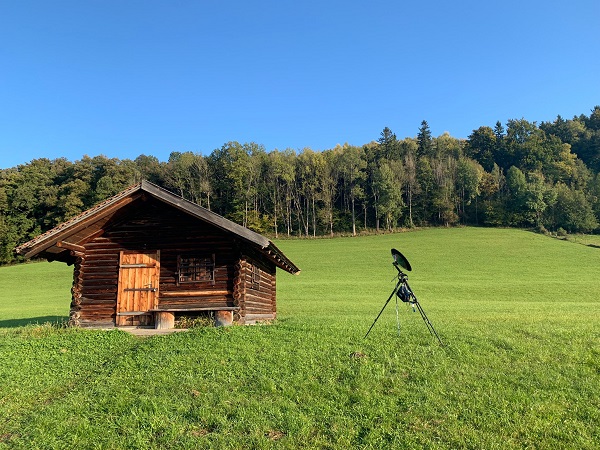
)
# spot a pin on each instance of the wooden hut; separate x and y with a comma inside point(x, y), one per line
point(145, 256)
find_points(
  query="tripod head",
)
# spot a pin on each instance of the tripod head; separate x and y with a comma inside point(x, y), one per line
point(402, 290)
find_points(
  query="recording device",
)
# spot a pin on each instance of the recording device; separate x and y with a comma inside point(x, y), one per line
point(403, 292)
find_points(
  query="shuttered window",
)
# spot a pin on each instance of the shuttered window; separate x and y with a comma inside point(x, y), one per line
point(255, 277)
point(192, 269)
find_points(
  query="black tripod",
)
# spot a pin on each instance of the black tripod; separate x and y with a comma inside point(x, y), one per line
point(403, 291)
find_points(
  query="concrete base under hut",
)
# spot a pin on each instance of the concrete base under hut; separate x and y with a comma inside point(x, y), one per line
point(147, 332)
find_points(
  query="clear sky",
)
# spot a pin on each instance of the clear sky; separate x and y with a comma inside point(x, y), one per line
point(124, 78)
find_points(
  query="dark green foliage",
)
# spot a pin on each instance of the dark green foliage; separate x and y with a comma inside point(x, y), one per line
point(481, 146)
point(573, 211)
point(424, 140)
point(389, 147)
point(544, 177)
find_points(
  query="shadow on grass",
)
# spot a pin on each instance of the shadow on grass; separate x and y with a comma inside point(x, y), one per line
point(11, 323)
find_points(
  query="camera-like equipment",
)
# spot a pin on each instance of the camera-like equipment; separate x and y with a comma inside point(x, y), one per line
point(403, 292)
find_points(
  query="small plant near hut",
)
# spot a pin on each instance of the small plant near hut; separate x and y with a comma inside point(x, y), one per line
point(195, 321)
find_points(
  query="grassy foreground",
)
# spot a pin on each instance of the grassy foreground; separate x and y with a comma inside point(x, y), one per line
point(518, 312)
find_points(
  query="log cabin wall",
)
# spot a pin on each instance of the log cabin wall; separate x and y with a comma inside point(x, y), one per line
point(257, 290)
point(151, 225)
point(76, 293)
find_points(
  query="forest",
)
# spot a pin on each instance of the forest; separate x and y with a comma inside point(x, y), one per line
point(520, 174)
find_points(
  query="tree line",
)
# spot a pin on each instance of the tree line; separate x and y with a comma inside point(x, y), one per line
point(519, 174)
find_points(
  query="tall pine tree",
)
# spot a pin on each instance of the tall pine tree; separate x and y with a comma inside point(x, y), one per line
point(424, 140)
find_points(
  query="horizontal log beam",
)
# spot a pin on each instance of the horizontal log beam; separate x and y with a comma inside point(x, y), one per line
point(217, 299)
point(256, 305)
point(206, 308)
point(255, 317)
point(204, 293)
point(71, 246)
point(134, 313)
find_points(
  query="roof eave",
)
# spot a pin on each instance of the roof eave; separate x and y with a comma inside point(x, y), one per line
point(67, 229)
point(282, 261)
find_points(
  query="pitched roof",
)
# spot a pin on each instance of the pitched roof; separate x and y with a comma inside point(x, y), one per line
point(70, 234)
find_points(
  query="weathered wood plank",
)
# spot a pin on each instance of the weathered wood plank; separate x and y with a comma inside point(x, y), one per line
point(258, 304)
point(164, 320)
point(258, 317)
point(111, 278)
point(205, 308)
point(253, 293)
point(197, 306)
point(110, 296)
point(70, 246)
point(197, 293)
point(134, 313)
point(260, 311)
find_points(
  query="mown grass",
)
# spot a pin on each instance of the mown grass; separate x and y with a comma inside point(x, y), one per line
point(518, 313)
point(593, 240)
point(34, 293)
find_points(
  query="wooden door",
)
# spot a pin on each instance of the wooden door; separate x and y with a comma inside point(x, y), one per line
point(139, 274)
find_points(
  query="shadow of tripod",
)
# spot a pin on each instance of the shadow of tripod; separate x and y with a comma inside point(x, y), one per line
point(403, 292)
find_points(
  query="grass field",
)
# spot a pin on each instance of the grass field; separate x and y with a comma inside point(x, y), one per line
point(593, 240)
point(518, 313)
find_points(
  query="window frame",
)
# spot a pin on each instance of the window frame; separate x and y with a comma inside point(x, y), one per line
point(255, 277)
point(195, 268)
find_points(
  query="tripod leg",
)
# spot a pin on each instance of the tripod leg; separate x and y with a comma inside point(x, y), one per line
point(428, 324)
point(397, 317)
point(384, 305)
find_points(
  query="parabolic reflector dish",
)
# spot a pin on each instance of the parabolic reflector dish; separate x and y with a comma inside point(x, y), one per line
point(400, 260)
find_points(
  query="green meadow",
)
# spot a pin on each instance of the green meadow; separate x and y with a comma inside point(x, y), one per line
point(518, 313)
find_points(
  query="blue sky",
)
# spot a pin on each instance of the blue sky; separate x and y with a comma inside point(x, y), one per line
point(124, 78)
